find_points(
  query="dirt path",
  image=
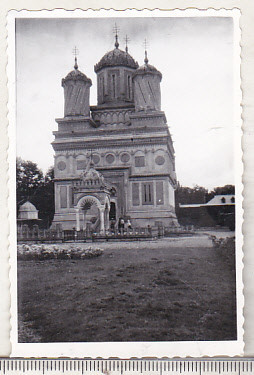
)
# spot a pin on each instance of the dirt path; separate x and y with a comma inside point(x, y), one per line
point(181, 242)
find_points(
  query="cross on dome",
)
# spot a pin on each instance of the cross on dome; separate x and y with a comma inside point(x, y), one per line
point(146, 45)
point(116, 31)
point(127, 39)
point(75, 52)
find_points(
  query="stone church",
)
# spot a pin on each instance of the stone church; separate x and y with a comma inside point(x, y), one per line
point(116, 159)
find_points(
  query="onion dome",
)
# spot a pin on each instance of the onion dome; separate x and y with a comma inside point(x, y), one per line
point(116, 57)
point(147, 69)
point(76, 75)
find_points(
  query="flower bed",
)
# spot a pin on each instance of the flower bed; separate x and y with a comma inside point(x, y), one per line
point(42, 252)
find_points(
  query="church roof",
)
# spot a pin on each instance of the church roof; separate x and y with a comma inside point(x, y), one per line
point(27, 211)
point(217, 200)
point(147, 68)
point(222, 200)
point(76, 75)
point(27, 207)
point(116, 57)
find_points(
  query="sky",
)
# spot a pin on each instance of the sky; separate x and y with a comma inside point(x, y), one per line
point(194, 55)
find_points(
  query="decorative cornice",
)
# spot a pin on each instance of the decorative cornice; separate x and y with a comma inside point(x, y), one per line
point(71, 178)
point(113, 168)
point(112, 107)
point(76, 119)
point(110, 143)
point(74, 150)
point(167, 175)
point(147, 115)
point(102, 132)
point(105, 149)
point(138, 175)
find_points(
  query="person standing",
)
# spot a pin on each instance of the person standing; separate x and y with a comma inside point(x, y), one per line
point(121, 225)
point(129, 226)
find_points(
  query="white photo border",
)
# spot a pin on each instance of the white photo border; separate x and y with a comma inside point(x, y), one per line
point(123, 349)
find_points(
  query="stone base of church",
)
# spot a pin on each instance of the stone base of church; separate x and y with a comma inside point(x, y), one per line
point(153, 220)
point(65, 221)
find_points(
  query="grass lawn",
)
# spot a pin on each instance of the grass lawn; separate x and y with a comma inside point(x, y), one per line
point(163, 290)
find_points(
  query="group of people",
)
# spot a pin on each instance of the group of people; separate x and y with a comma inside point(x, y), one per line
point(122, 224)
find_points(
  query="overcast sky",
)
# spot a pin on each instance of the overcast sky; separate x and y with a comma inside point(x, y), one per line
point(194, 55)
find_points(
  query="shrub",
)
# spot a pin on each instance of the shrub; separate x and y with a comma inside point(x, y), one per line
point(45, 252)
point(226, 249)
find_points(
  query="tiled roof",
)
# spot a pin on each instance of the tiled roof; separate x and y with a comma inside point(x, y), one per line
point(217, 200)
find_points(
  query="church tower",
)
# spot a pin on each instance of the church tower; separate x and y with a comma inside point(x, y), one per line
point(76, 93)
point(147, 92)
point(72, 128)
point(114, 77)
point(128, 140)
point(115, 92)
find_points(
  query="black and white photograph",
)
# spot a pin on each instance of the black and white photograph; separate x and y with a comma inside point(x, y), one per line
point(127, 132)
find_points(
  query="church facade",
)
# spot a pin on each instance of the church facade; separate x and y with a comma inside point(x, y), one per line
point(116, 159)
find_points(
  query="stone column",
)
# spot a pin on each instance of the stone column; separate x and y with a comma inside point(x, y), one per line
point(77, 220)
point(102, 226)
point(107, 227)
point(106, 219)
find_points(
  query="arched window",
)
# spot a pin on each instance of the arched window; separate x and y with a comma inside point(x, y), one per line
point(102, 87)
point(113, 86)
point(129, 87)
point(223, 200)
point(147, 193)
point(232, 200)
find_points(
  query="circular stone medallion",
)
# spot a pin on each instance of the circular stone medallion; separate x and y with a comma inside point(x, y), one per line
point(160, 160)
point(96, 159)
point(110, 158)
point(125, 157)
point(61, 165)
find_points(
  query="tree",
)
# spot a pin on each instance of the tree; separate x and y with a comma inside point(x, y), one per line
point(28, 180)
point(45, 199)
point(36, 188)
point(188, 195)
point(224, 190)
point(199, 194)
point(221, 190)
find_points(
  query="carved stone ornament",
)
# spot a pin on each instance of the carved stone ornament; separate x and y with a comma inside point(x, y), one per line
point(125, 157)
point(110, 158)
point(92, 176)
point(61, 165)
point(96, 159)
point(159, 160)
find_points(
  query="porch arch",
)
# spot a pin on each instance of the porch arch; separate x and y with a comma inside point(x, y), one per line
point(89, 199)
point(92, 200)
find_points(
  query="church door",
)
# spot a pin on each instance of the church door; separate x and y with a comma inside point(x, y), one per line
point(112, 212)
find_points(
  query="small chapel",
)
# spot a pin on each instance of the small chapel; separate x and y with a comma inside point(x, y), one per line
point(115, 159)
